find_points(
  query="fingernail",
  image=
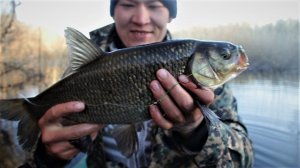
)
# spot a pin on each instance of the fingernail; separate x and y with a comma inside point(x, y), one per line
point(78, 105)
point(162, 74)
point(153, 107)
point(155, 86)
point(183, 79)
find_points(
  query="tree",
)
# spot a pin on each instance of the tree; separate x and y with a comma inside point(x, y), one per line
point(8, 12)
point(20, 53)
point(11, 155)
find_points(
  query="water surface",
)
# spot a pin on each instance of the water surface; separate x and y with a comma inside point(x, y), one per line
point(269, 107)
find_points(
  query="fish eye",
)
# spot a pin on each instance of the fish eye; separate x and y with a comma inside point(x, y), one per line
point(225, 54)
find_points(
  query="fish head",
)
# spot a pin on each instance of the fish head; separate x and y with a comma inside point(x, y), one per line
point(215, 63)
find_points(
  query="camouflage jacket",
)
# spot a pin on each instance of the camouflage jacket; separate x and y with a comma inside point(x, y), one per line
point(225, 144)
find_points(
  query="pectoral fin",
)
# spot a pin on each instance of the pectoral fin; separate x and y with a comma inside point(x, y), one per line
point(208, 114)
point(126, 138)
point(82, 143)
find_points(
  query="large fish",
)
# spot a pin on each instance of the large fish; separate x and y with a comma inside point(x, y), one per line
point(114, 85)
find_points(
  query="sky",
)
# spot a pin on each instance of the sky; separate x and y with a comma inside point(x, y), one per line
point(53, 16)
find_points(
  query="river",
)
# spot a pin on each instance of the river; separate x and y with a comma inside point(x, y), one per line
point(269, 107)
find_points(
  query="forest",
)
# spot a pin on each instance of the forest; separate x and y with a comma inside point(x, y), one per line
point(271, 48)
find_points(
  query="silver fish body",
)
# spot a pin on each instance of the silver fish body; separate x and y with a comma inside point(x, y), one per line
point(114, 85)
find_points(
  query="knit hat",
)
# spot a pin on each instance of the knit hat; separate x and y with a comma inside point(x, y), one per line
point(170, 4)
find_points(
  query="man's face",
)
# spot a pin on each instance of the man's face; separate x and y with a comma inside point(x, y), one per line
point(141, 21)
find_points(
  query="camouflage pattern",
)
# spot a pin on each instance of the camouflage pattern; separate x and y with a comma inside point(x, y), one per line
point(227, 144)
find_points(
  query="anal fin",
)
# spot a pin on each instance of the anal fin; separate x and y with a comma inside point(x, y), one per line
point(126, 138)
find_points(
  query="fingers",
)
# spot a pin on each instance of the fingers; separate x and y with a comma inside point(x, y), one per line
point(56, 136)
point(159, 118)
point(63, 150)
point(69, 154)
point(180, 96)
point(166, 103)
point(69, 132)
point(177, 106)
point(60, 110)
point(57, 141)
point(176, 102)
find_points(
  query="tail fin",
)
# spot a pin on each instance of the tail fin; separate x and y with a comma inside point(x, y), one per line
point(20, 110)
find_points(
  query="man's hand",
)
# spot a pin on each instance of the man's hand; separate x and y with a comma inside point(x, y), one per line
point(56, 137)
point(177, 108)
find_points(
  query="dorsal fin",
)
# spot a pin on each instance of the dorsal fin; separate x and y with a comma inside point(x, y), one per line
point(81, 49)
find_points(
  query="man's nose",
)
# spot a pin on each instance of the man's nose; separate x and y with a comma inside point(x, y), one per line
point(141, 15)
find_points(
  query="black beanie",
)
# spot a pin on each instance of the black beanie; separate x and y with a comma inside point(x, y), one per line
point(170, 4)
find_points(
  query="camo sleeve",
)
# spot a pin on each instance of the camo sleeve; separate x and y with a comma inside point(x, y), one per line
point(226, 144)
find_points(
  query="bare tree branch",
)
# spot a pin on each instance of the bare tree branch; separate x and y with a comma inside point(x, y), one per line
point(7, 17)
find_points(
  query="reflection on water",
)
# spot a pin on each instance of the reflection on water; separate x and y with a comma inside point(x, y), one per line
point(270, 110)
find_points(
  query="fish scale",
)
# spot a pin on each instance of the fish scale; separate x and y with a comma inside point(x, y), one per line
point(115, 86)
point(124, 96)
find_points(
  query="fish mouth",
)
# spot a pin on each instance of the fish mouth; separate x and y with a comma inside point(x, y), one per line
point(243, 61)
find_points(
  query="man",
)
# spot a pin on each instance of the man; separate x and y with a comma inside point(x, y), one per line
point(180, 141)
